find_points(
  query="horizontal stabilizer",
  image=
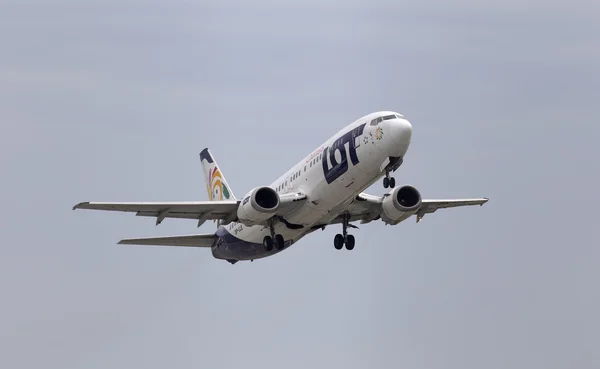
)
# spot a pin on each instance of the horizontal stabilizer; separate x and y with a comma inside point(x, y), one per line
point(196, 240)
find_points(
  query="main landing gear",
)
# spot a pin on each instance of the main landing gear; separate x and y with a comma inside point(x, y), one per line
point(389, 181)
point(340, 239)
point(273, 240)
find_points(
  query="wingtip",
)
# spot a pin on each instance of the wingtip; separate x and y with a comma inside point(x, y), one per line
point(81, 204)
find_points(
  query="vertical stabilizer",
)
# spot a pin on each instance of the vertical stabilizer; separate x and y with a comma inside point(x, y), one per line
point(217, 187)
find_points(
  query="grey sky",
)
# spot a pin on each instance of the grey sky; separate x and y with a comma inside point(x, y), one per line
point(113, 100)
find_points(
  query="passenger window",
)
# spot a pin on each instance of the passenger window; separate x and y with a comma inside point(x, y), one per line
point(305, 168)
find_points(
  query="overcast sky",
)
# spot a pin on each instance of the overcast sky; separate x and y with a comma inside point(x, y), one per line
point(113, 100)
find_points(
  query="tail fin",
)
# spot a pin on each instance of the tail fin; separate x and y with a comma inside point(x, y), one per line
point(216, 185)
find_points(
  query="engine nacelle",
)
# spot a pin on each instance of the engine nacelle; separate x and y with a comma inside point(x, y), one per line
point(400, 203)
point(258, 205)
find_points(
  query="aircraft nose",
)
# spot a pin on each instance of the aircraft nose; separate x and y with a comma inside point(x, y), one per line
point(401, 130)
point(404, 127)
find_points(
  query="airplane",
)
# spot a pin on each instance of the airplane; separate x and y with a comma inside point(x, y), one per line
point(324, 188)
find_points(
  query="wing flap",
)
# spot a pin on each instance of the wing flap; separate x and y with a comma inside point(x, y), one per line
point(197, 240)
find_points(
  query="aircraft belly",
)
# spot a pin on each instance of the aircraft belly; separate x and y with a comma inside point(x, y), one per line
point(239, 242)
point(326, 201)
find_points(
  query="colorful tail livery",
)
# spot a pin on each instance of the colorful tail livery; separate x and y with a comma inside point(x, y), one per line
point(217, 187)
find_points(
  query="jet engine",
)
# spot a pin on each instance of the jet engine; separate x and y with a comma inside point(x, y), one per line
point(400, 203)
point(258, 205)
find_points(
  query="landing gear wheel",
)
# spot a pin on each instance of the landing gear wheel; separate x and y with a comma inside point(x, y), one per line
point(268, 243)
point(344, 238)
point(350, 242)
point(392, 182)
point(386, 182)
point(279, 242)
point(338, 241)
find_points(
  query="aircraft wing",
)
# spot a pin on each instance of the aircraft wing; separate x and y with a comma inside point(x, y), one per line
point(431, 206)
point(367, 208)
point(226, 211)
point(196, 240)
point(198, 210)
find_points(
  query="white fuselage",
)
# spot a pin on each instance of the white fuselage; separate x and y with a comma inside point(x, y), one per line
point(331, 177)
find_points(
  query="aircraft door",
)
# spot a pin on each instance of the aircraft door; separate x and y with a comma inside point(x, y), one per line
point(367, 150)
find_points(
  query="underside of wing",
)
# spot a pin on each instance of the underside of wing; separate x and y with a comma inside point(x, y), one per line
point(431, 206)
point(198, 210)
point(367, 208)
point(199, 240)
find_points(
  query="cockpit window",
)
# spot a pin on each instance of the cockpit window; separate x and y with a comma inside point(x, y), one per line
point(388, 117)
point(376, 121)
point(400, 116)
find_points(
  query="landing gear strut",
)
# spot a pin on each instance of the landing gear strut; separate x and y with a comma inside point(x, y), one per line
point(394, 163)
point(273, 240)
point(340, 239)
point(389, 181)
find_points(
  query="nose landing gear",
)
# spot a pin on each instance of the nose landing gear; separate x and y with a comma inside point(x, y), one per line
point(394, 163)
point(389, 181)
